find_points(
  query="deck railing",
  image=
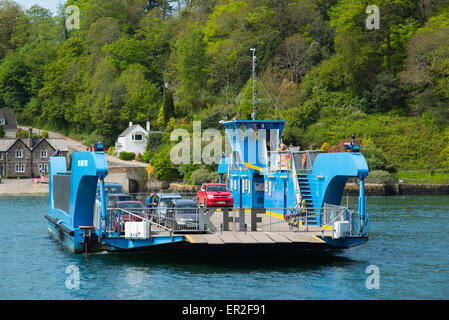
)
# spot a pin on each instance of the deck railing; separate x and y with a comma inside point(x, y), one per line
point(212, 220)
point(284, 160)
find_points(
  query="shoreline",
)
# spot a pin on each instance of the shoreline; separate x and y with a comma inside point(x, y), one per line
point(398, 189)
point(22, 187)
point(26, 187)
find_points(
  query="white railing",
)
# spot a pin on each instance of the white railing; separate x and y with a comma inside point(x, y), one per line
point(213, 220)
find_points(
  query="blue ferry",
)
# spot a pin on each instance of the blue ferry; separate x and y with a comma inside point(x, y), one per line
point(267, 183)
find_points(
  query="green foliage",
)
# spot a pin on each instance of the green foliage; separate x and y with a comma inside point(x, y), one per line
point(22, 133)
point(186, 171)
point(319, 68)
point(111, 151)
point(44, 134)
point(379, 176)
point(191, 63)
point(203, 175)
point(163, 168)
point(374, 156)
point(127, 155)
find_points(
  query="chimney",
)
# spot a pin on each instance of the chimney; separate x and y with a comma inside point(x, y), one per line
point(130, 123)
point(30, 137)
point(148, 126)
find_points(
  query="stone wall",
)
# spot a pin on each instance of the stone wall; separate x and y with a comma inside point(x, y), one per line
point(12, 160)
point(372, 189)
point(133, 179)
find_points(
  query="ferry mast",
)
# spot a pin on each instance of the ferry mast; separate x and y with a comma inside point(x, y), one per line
point(254, 76)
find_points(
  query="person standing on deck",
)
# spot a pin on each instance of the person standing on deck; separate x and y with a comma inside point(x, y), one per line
point(150, 203)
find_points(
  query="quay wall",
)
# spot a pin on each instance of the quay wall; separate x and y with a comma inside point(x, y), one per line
point(352, 189)
point(409, 189)
point(18, 187)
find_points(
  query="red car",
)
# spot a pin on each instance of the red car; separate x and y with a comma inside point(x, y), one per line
point(134, 207)
point(215, 195)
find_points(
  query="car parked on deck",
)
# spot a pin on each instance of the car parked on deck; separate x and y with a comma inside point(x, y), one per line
point(215, 195)
point(110, 188)
point(112, 199)
point(183, 214)
point(161, 202)
point(134, 207)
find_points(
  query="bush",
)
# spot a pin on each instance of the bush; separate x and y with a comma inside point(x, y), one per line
point(111, 151)
point(139, 157)
point(379, 176)
point(203, 175)
point(163, 167)
point(22, 134)
point(44, 134)
point(127, 155)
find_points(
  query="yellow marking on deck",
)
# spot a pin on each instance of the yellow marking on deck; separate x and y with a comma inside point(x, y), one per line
point(253, 167)
point(276, 215)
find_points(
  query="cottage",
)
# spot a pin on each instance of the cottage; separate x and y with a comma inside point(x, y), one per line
point(8, 122)
point(133, 139)
point(28, 157)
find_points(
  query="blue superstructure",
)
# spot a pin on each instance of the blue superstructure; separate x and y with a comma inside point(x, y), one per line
point(263, 173)
point(73, 217)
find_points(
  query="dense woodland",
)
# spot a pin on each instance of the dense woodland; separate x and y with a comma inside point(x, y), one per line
point(173, 62)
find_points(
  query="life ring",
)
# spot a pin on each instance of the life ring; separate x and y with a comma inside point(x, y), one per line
point(304, 159)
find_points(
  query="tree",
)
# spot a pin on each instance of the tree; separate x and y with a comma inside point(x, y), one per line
point(9, 14)
point(169, 105)
point(141, 97)
point(426, 69)
point(386, 94)
point(191, 64)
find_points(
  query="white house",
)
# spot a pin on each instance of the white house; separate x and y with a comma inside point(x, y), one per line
point(133, 139)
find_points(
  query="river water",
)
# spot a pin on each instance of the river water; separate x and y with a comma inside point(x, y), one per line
point(406, 257)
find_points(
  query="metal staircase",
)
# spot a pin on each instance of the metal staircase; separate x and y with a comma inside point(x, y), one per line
point(303, 184)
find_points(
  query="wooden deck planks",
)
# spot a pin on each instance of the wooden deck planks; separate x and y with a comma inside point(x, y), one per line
point(213, 239)
point(260, 237)
point(228, 237)
point(245, 238)
point(309, 237)
point(278, 238)
point(195, 238)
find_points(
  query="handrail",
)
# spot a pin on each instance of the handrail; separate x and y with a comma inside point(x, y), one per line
point(295, 181)
point(334, 219)
point(142, 218)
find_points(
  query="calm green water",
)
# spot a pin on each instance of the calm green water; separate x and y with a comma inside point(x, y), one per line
point(408, 243)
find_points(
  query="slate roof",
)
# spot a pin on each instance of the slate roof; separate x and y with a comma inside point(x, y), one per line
point(57, 144)
point(128, 130)
point(6, 143)
point(10, 119)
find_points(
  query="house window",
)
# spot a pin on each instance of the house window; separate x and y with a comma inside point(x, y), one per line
point(19, 153)
point(1, 155)
point(43, 167)
point(44, 153)
point(20, 168)
point(2, 121)
point(137, 137)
